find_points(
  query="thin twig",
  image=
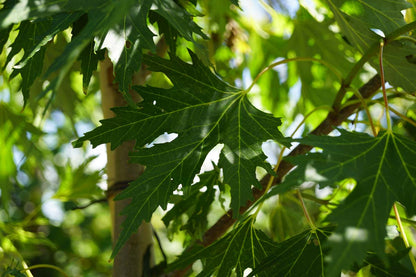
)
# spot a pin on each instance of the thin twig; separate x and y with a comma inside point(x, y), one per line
point(101, 200)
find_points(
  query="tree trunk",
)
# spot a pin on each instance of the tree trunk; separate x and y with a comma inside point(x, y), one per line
point(129, 261)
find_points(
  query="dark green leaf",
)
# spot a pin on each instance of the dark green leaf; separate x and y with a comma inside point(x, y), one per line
point(391, 269)
point(384, 169)
point(138, 37)
point(4, 36)
point(204, 111)
point(399, 68)
point(196, 205)
point(26, 40)
point(89, 61)
point(32, 38)
point(179, 19)
point(299, 256)
point(357, 18)
point(22, 10)
point(242, 248)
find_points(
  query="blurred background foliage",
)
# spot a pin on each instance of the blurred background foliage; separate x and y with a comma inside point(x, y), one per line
point(44, 180)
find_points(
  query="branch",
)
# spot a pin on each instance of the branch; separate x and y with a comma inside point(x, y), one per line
point(333, 119)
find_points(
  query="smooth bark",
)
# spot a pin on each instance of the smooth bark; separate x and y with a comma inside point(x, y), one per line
point(129, 261)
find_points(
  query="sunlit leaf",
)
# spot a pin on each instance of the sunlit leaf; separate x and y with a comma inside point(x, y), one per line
point(357, 19)
point(384, 169)
point(204, 111)
point(77, 183)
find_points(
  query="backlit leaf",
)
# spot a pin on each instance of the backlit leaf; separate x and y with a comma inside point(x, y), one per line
point(384, 169)
point(244, 247)
point(357, 19)
point(300, 256)
point(204, 111)
point(195, 204)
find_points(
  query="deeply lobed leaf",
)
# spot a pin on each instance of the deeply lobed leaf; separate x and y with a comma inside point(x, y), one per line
point(242, 248)
point(358, 19)
point(384, 169)
point(204, 111)
point(100, 20)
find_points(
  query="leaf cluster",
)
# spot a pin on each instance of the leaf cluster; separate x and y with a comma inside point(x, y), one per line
point(328, 57)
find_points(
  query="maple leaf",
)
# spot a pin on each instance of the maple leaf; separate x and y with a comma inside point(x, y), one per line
point(32, 38)
point(299, 256)
point(248, 248)
point(358, 19)
point(204, 111)
point(101, 19)
point(384, 169)
point(196, 204)
point(242, 248)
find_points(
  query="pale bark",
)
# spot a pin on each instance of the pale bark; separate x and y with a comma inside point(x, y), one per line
point(128, 262)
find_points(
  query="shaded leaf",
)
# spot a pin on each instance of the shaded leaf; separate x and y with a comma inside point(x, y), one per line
point(32, 38)
point(128, 18)
point(179, 18)
point(26, 40)
point(393, 268)
point(138, 36)
point(195, 204)
point(300, 256)
point(22, 10)
point(89, 62)
point(357, 18)
point(311, 38)
point(204, 111)
point(384, 169)
point(242, 248)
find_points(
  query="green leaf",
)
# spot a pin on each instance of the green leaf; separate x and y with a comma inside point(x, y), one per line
point(394, 268)
point(32, 38)
point(300, 256)
point(357, 18)
point(311, 38)
point(179, 18)
point(242, 248)
point(399, 68)
point(89, 62)
point(13, 134)
point(204, 111)
point(77, 183)
point(383, 14)
point(16, 11)
point(195, 204)
point(26, 40)
point(138, 37)
point(384, 169)
point(128, 18)
point(4, 37)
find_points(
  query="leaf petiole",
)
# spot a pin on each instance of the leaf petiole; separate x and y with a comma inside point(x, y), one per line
point(383, 87)
point(402, 232)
